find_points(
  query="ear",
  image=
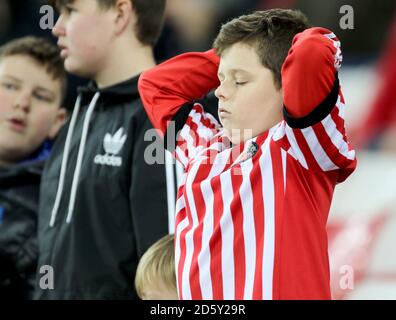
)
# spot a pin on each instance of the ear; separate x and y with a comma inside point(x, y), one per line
point(124, 14)
point(58, 122)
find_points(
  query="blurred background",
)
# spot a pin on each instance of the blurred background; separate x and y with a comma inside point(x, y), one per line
point(362, 222)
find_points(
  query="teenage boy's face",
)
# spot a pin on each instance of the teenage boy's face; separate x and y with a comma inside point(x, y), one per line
point(249, 102)
point(84, 33)
point(29, 107)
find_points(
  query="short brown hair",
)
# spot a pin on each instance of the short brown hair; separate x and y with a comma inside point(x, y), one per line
point(41, 50)
point(270, 32)
point(157, 263)
point(150, 17)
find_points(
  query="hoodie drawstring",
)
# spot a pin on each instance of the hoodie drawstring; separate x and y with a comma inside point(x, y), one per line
point(80, 155)
point(79, 158)
point(64, 161)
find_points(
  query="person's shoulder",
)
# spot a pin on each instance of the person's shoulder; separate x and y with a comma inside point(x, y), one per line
point(22, 175)
point(136, 109)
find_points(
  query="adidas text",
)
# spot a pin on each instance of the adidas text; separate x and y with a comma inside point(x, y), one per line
point(109, 160)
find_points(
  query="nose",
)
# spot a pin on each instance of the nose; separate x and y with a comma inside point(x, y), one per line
point(58, 29)
point(221, 92)
point(23, 101)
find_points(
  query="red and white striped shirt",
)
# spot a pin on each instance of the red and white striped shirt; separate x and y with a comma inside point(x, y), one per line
point(251, 218)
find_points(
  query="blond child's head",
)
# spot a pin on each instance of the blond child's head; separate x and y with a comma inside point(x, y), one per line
point(155, 276)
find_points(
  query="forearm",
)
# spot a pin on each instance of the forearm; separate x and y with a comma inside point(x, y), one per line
point(309, 71)
point(182, 79)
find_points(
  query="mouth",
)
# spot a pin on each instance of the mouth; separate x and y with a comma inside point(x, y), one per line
point(223, 112)
point(17, 124)
point(63, 50)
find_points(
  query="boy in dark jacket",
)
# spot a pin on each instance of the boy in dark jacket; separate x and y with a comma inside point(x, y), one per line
point(32, 82)
point(102, 202)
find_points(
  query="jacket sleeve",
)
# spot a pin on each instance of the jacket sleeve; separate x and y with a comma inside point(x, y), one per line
point(313, 130)
point(148, 190)
point(18, 239)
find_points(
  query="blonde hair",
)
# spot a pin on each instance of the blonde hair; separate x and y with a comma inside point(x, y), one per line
point(157, 263)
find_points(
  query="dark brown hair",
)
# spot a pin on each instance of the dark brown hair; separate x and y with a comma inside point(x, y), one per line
point(42, 51)
point(270, 32)
point(150, 17)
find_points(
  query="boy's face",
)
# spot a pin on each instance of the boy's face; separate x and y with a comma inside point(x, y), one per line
point(84, 33)
point(249, 102)
point(29, 107)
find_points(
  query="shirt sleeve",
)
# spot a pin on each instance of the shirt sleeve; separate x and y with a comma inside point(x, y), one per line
point(171, 94)
point(313, 129)
point(200, 131)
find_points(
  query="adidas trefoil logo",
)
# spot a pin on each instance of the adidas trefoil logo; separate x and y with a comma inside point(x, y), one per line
point(112, 145)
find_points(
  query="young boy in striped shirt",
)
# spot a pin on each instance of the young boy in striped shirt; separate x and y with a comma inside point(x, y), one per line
point(252, 209)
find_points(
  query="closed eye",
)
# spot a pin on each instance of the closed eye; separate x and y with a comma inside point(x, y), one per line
point(9, 86)
point(43, 98)
point(240, 83)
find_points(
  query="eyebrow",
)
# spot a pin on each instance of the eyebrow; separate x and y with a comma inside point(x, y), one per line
point(61, 4)
point(64, 2)
point(233, 71)
point(239, 70)
point(12, 78)
point(39, 88)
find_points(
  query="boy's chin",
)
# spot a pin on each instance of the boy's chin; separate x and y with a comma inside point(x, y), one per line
point(77, 69)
